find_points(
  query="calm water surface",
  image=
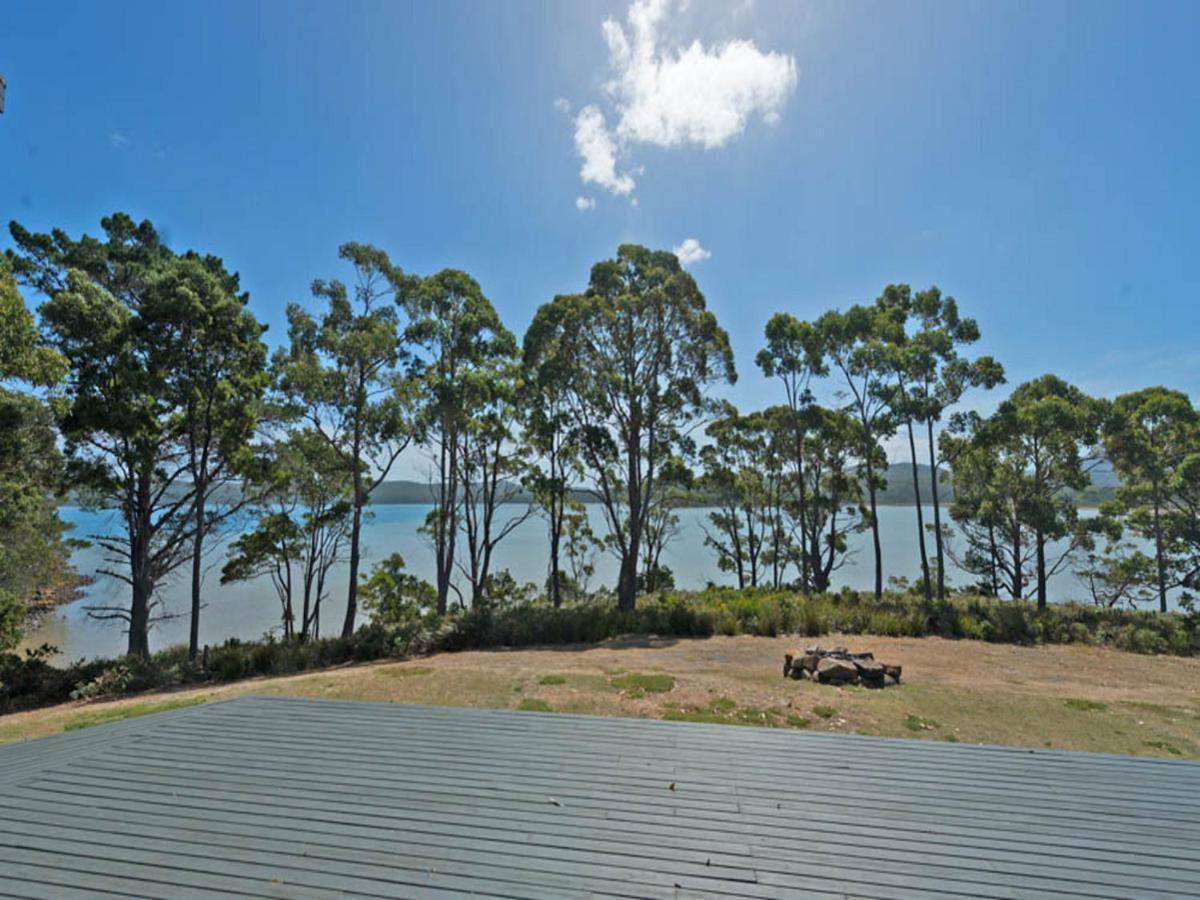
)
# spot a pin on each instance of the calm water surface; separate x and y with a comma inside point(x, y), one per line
point(250, 609)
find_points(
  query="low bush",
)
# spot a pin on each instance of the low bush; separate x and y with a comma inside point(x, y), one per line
point(29, 681)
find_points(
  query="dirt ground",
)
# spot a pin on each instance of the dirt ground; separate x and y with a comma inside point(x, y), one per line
point(1070, 697)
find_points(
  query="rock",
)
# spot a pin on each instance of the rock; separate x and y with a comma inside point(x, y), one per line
point(836, 671)
point(892, 672)
point(868, 668)
point(809, 662)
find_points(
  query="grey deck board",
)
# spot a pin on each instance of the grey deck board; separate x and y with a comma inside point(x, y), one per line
point(267, 797)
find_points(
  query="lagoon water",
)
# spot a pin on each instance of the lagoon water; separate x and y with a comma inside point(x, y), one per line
point(250, 609)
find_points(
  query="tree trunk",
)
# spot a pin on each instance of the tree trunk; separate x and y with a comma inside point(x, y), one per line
point(139, 618)
point(1159, 561)
point(355, 533)
point(197, 573)
point(1016, 573)
point(912, 446)
point(937, 515)
point(627, 584)
point(875, 530)
point(1041, 569)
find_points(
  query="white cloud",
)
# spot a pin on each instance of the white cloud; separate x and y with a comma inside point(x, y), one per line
point(562, 104)
point(690, 252)
point(595, 144)
point(118, 139)
point(585, 203)
point(675, 96)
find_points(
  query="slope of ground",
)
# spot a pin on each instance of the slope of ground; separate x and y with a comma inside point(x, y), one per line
point(1072, 697)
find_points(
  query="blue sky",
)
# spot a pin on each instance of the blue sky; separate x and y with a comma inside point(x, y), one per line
point(1037, 160)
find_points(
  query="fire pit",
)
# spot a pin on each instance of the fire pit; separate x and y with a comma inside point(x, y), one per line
point(838, 666)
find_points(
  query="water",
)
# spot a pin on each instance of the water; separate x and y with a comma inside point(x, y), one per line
point(250, 609)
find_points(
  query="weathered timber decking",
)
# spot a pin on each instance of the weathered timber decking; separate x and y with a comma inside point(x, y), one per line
point(307, 799)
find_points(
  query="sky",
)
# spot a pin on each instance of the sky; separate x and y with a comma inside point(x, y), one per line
point(1040, 161)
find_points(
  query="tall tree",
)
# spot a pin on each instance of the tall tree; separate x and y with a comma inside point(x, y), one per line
point(1147, 437)
point(1040, 444)
point(644, 350)
point(198, 311)
point(33, 555)
point(492, 461)
point(738, 483)
point(545, 367)
point(856, 343)
point(121, 419)
point(459, 340)
point(795, 355)
point(303, 501)
point(930, 377)
point(344, 376)
point(938, 379)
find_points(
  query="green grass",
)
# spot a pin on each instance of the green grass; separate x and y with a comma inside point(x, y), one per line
point(117, 714)
point(553, 679)
point(635, 684)
point(1163, 745)
point(408, 671)
point(825, 712)
point(724, 711)
point(1085, 705)
point(915, 723)
point(533, 704)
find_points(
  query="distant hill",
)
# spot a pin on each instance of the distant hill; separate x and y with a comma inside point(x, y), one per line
point(899, 490)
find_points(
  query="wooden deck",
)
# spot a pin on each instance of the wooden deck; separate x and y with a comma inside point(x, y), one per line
point(296, 798)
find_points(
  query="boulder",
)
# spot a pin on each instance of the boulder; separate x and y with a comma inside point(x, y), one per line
point(892, 672)
point(836, 671)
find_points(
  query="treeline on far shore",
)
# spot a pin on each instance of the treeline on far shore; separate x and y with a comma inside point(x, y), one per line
point(143, 382)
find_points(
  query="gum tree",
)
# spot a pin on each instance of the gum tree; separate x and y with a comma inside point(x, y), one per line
point(344, 377)
point(644, 350)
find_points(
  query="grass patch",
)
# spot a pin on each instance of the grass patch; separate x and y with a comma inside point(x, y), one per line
point(118, 713)
point(553, 679)
point(724, 711)
point(635, 684)
point(825, 712)
point(1085, 705)
point(533, 704)
point(407, 671)
point(914, 722)
point(1163, 745)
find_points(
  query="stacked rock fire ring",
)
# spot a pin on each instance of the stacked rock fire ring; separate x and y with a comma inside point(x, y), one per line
point(839, 666)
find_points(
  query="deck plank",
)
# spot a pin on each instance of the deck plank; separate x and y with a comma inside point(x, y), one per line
point(265, 797)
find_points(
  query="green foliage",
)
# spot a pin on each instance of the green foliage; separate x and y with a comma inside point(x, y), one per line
point(120, 713)
point(1081, 705)
point(641, 348)
point(345, 376)
point(33, 554)
point(636, 684)
point(533, 704)
point(825, 712)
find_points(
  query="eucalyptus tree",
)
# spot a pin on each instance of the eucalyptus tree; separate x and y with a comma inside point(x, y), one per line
point(219, 377)
point(795, 355)
point(736, 483)
point(856, 344)
point(119, 413)
point(929, 377)
point(545, 367)
point(492, 461)
point(644, 349)
point(345, 376)
point(33, 555)
point(303, 499)
point(937, 379)
point(1147, 437)
point(459, 342)
point(1037, 448)
point(835, 490)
